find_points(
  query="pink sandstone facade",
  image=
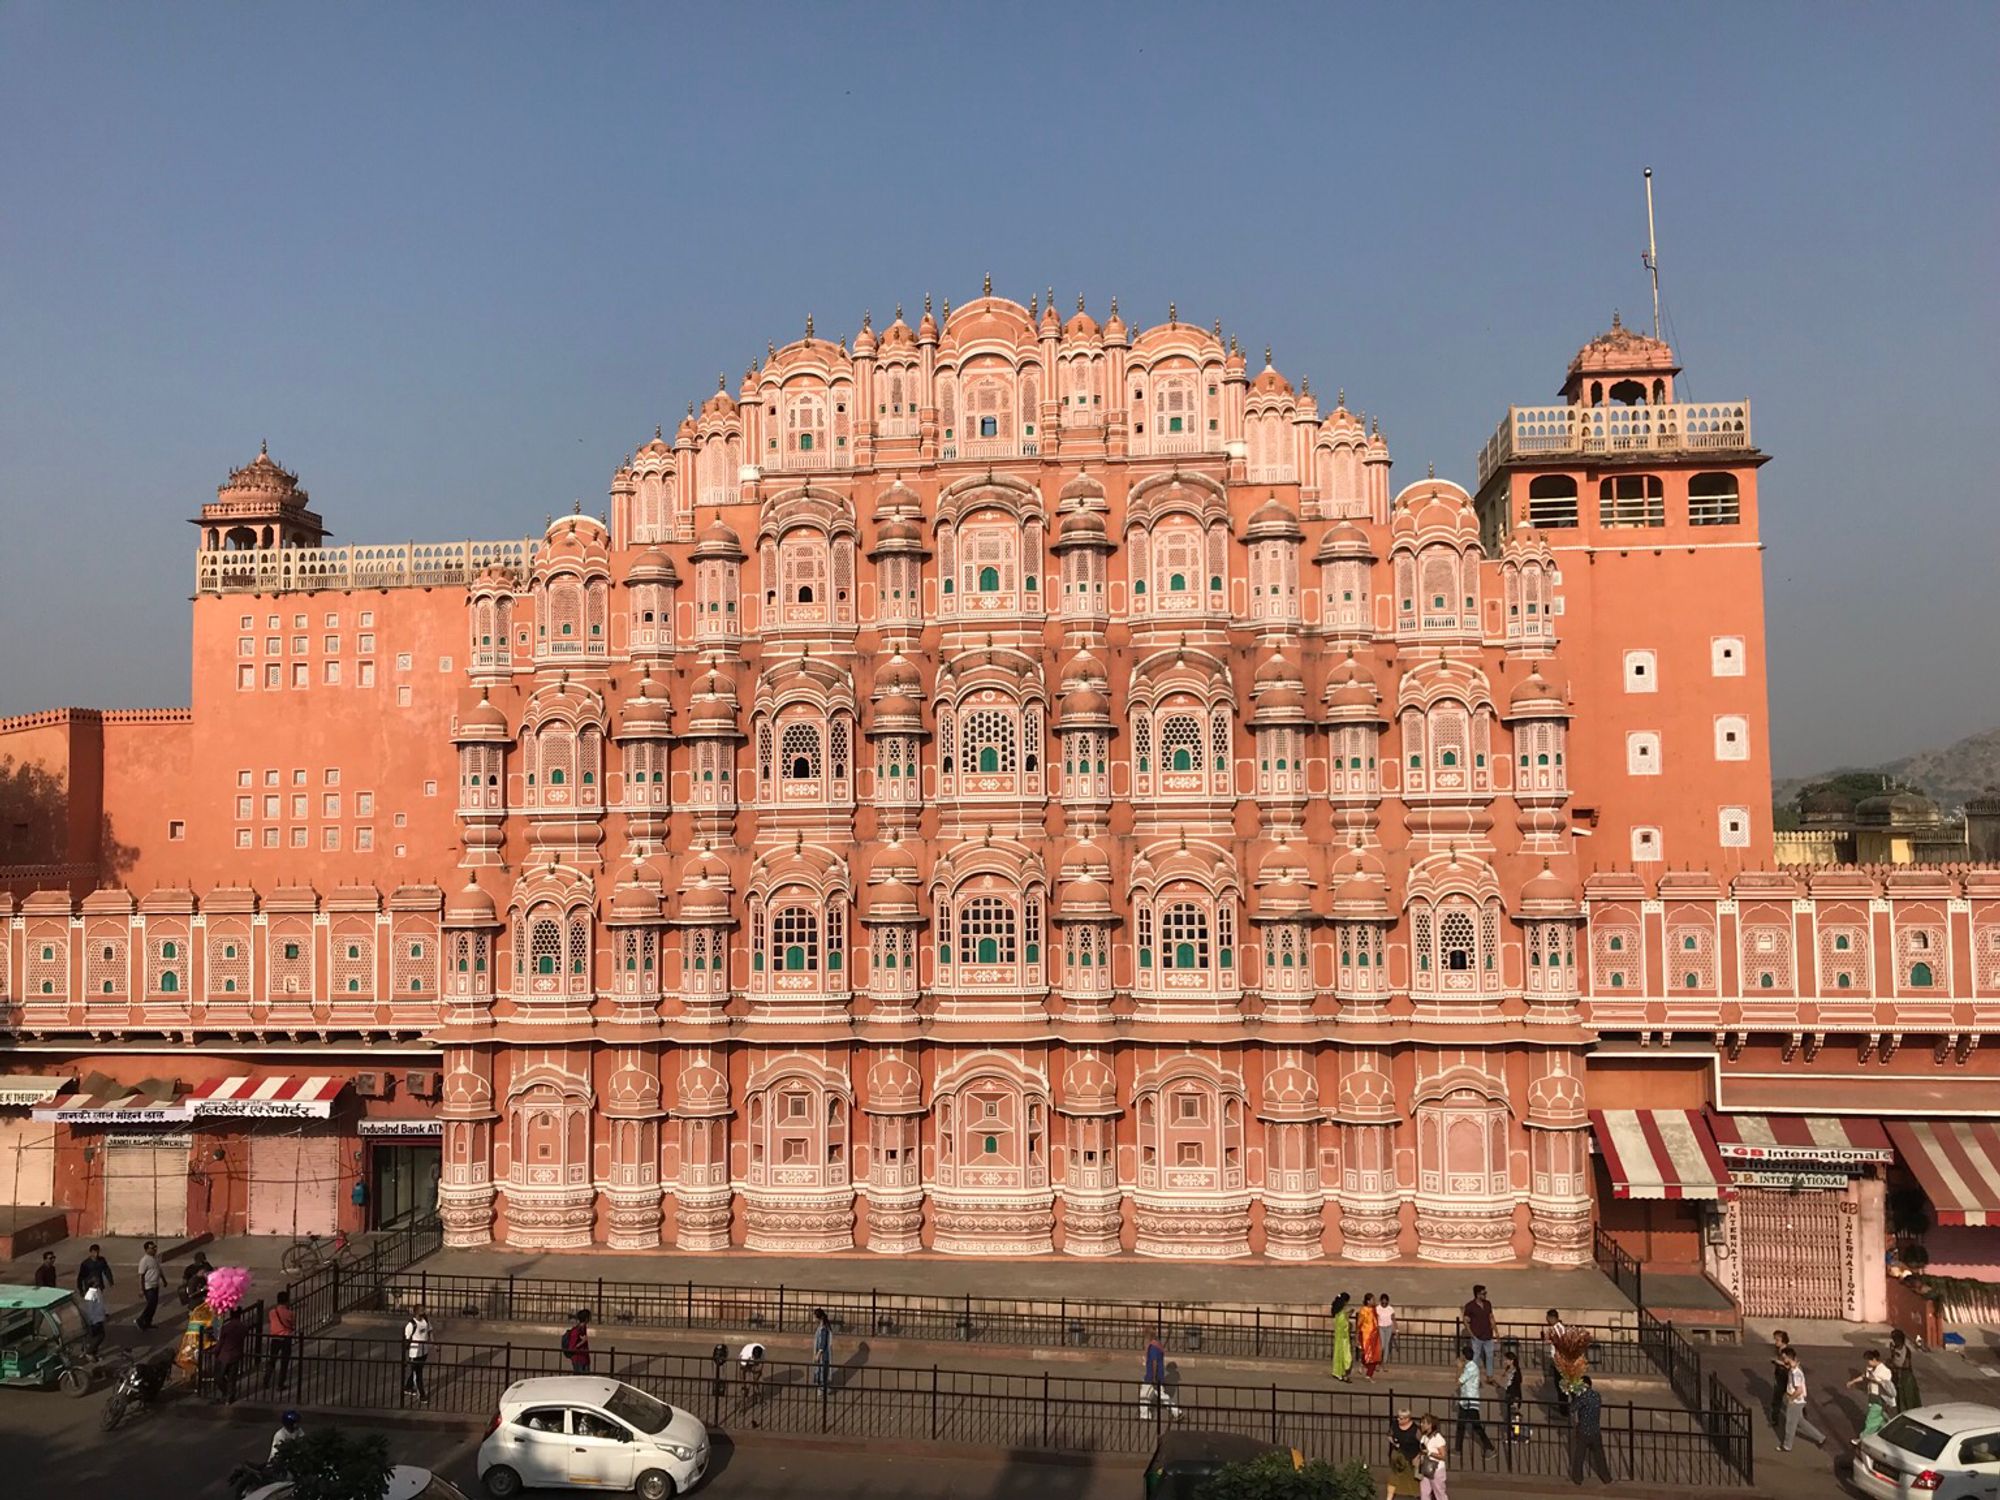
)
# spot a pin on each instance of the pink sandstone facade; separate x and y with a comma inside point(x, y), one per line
point(1015, 785)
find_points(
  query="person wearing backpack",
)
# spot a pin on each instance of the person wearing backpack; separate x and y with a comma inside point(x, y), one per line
point(416, 1350)
point(576, 1343)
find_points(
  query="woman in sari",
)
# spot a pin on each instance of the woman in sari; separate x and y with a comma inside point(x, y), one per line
point(1368, 1325)
point(1343, 1338)
point(1903, 1366)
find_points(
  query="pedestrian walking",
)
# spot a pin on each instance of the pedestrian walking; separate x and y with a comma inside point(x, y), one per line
point(1510, 1394)
point(1586, 1434)
point(1153, 1393)
point(229, 1341)
point(1405, 1443)
point(1796, 1420)
point(1368, 1327)
point(1431, 1470)
point(94, 1312)
point(1878, 1387)
point(1469, 1423)
point(750, 1381)
point(416, 1352)
point(152, 1281)
point(282, 1331)
point(45, 1273)
point(1780, 1373)
point(576, 1342)
point(1903, 1370)
point(1553, 1330)
point(1343, 1338)
point(94, 1264)
point(1476, 1318)
point(822, 1349)
point(1385, 1318)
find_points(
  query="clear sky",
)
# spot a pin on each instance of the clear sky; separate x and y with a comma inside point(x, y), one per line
point(454, 262)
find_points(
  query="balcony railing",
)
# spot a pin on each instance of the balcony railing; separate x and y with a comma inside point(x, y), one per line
point(279, 570)
point(1599, 431)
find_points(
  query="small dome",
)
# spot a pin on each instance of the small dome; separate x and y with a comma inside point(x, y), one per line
point(1548, 893)
point(1081, 525)
point(1897, 810)
point(652, 566)
point(262, 481)
point(1269, 382)
point(1273, 520)
point(1535, 697)
point(471, 907)
point(1081, 325)
point(646, 711)
point(718, 540)
point(1290, 1093)
point(483, 721)
point(1082, 705)
point(633, 902)
point(1351, 693)
point(1436, 505)
point(899, 675)
point(1082, 487)
point(1276, 669)
point(894, 1088)
point(703, 1090)
point(1089, 1087)
point(894, 862)
point(1344, 540)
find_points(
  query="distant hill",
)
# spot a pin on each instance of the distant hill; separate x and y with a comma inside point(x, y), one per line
point(1949, 775)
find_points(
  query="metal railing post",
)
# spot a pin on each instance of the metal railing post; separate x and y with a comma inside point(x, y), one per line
point(934, 1403)
point(1045, 1409)
point(781, 1305)
point(690, 1307)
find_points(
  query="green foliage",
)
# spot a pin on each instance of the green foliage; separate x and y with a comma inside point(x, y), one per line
point(1272, 1477)
point(327, 1464)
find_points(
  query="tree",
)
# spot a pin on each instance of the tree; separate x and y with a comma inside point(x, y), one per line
point(327, 1464)
point(1272, 1477)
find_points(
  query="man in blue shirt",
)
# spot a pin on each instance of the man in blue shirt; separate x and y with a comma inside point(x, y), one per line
point(1586, 1433)
point(1469, 1424)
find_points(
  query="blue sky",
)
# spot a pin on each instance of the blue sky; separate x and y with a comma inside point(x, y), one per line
point(455, 261)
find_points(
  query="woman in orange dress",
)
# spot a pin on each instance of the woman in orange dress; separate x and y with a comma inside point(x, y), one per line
point(1368, 1324)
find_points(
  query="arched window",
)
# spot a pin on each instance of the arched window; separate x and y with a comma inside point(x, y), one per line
point(1455, 941)
point(989, 580)
point(1920, 976)
point(1713, 500)
point(990, 740)
point(795, 939)
point(1184, 936)
point(800, 752)
point(545, 949)
point(990, 930)
point(1180, 743)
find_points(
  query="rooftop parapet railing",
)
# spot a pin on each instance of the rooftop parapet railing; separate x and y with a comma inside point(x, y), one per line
point(1601, 431)
point(280, 570)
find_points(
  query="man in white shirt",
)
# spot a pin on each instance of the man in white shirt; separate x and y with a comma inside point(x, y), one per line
point(750, 1376)
point(290, 1430)
point(416, 1349)
point(152, 1278)
point(1795, 1405)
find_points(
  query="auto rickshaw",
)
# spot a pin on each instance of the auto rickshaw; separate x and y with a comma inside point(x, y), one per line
point(42, 1339)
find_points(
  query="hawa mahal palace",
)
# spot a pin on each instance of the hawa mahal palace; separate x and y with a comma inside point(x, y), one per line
point(1011, 784)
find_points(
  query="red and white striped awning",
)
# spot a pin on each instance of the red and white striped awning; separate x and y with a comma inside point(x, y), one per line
point(1958, 1163)
point(288, 1096)
point(1800, 1138)
point(1660, 1153)
point(32, 1089)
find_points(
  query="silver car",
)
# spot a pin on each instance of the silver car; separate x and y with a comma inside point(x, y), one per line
point(590, 1432)
point(1944, 1452)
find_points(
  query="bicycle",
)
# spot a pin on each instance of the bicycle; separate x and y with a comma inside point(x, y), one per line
point(312, 1252)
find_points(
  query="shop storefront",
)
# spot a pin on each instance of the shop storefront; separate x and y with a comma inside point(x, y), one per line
point(136, 1149)
point(1803, 1235)
point(28, 1144)
point(297, 1167)
point(404, 1162)
point(1659, 1180)
point(1957, 1164)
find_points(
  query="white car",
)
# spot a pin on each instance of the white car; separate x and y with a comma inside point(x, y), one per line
point(405, 1483)
point(591, 1432)
point(1945, 1452)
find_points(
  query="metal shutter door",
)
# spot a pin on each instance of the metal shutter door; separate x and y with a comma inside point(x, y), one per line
point(1794, 1248)
point(28, 1162)
point(146, 1190)
point(294, 1183)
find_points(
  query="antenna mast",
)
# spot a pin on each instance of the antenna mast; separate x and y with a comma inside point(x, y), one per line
point(1652, 253)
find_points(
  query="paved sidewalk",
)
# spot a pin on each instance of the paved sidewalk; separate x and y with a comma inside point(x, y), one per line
point(1519, 1294)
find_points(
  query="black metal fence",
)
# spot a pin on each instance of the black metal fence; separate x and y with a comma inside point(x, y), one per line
point(1613, 1260)
point(1044, 1412)
point(354, 1281)
point(1703, 1393)
point(1248, 1333)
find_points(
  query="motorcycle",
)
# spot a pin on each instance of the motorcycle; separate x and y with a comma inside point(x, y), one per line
point(138, 1387)
point(247, 1476)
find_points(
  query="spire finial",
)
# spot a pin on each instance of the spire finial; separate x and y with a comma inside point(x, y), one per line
point(1305, 385)
point(1615, 324)
point(1173, 313)
point(657, 430)
point(1079, 301)
point(899, 312)
point(1431, 469)
point(263, 448)
point(690, 411)
point(1232, 343)
point(576, 506)
point(986, 287)
point(1340, 398)
point(809, 325)
point(868, 318)
point(1267, 356)
point(1035, 307)
point(927, 301)
point(1114, 304)
point(770, 350)
point(721, 381)
point(944, 309)
point(1218, 330)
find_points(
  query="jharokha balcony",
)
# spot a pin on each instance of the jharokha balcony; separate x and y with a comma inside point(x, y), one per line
point(1615, 430)
point(276, 570)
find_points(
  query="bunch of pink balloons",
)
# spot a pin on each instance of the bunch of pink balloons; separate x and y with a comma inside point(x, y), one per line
point(227, 1286)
